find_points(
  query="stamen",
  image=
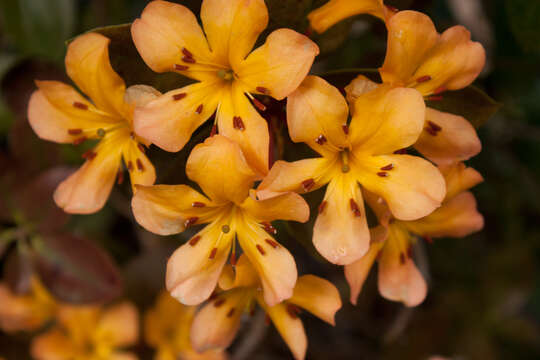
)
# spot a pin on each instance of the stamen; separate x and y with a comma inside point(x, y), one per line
point(219, 302)
point(423, 79)
point(434, 126)
point(293, 311)
point(260, 248)
point(198, 204)
point(233, 259)
point(120, 179)
point(402, 258)
point(354, 207)
point(89, 155)
point(259, 105)
point(262, 90)
point(199, 109)
point(188, 60)
point(101, 132)
point(190, 221)
point(269, 228)
point(308, 184)
point(238, 124)
point(179, 67)
point(141, 148)
point(392, 8)
point(430, 131)
point(186, 52)
point(212, 254)
point(140, 165)
point(435, 98)
point(401, 151)
point(80, 105)
point(439, 90)
point(322, 206)
point(74, 131)
point(194, 240)
point(345, 129)
point(230, 313)
point(225, 229)
point(179, 96)
point(214, 130)
point(321, 139)
point(272, 243)
point(383, 174)
point(80, 140)
point(388, 167)
point(130, 166)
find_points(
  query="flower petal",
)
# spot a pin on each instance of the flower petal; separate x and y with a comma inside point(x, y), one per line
point(193, 269)
point(357, 272)
point(341, 234)
point(357, 87)
point(334, 11)
point(87, 190)
point(52, 345)
point(88, 65)
point(411, 36)
point(119, 325)
point(143, 172)
point(24, 312)
point(457, 217)
point(288, 206)
point(289, 327)
point(318, 296)
point(447, 138)
point(413, 188)
point(164, 209)
point(169, 120)
point(240, 122)
point(459, 178)
point(216, 324)
point(317, 108)
point(123, 356)
point(274, 264)
point(241, 275)
point(280, 64)
point(386, 119)
point(163, 31)
point(233, 26)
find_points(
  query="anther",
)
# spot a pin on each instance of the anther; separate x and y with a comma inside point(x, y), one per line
point(439, 90)
point(402, 258)
point(199, 109)
point(120, 179)
point(186, 52)
point(80, 140)
point(345, 129)
point(198, 204)
point(269, 228)
point(435, 98)
point(80, 105)
point(388, 167)
point(423, 79)
point(272, 243)
point(194, 240)
point(434, 126)
point(293, 311)
point(230, 313)
point(238, 124)
point(262, 90)
point(233, 259)
point(392, 8)
point(130, 165)
point(190, 221)
point(401, 151)
point(322, 206)
point(383, 174)
point(259, 105)
point(179, 67)
point(179, 96)
point(188, 60)
point(101, 132)
point(213, 254)
point(214, 130)
point(321, 139)
point(308, 184)
point(225, 229)
point(140, 165)
point(430, 131)
point(74, 131)
point(260, 248)
point(354, 207)
point(141, 148)
point(89, 155)
point(219, 302)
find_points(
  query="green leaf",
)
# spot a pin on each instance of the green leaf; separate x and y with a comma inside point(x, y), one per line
point(523, 17)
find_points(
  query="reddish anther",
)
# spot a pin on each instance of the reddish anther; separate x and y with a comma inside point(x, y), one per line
point(190, 221)
point(435, 98)
point(322, 206)
point(354, 207)
point(198, 204)
point(120, 179)
point(269, 228)
point(260, 248)
point(188, 60)
point(383, 174)
point(272, 243)
point(439, 90)
point(262, 90)
point(74, 131)
point(199, 109)
point(293, 311)
point(230, 313)
point(321, 139)
point(179, 67)
point(233, 259)
point(434, 126)
point(423, 79)
point(345, 129)
point(80, 140)
point(186, 52)
point(388, 167)
point(219, 302)
point(89, 155)
point(179, 96)
point(259, 105)
point(80, 105)
point(308, 184)
point(212, 253)
point(141, 148)
point(214, 130)
point(194, 240)
point(140, 165)
point(238, 124)
point(130, 166)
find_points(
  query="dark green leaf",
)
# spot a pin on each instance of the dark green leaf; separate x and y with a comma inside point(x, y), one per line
point(18, 270)
point(523, 17)
point(342, 78)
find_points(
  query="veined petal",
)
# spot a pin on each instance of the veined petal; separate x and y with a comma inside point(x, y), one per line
point(318, 296)
point(341, 234)
point(447, 138)
point(457, 217)
point(357, 272)
point(239, 121)
point(386, 119)
point(119, 325)
point(334, 11)
point(142, 171)
point(289, 326)
point(169, 120)
point(231, 177)
point(279, 65)
point(216, 324)
point(288, 206)
point(193, 269)
point(162, 33)
point(165, 209)
point(233, 26)
point(52, 345)
point(459, 178)
point(411, 36)
point(87, 190)
point(57, 112)
point(411, 186)
point(88, 65)
point(317, 113)
point(274, 264)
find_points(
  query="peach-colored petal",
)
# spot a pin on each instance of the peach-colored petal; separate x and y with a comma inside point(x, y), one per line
point(457, 217)
point(459, 178)
point(216, 324)
point(357, 87)
point(122, 356)
point(88, 65)
point(79, 321)
point(52, 345)
point(289, 327)
point(357, 272)
point(318, 109)
point(378, 205)
point(288, 206)
point(341, 233)
point(279, 65)
point(170, 119)
point(318, 296)
point(232, 27)
point(412, 188)
point(162, 33)
point(241, 275)
point(334, 11)
point(447, 138)
point(164, 209)
point(386, 119)
point(231, 175)
point(193, 269)
point(119, 325)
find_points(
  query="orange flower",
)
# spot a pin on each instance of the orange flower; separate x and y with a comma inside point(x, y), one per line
point(216, 324)
point(89, 333)
point(169, 38)
point(27, 312)
point(57, 112)
point(167, 328)
point(399, 278)
point(222, 172)
point(334, 11)
point(383, 120)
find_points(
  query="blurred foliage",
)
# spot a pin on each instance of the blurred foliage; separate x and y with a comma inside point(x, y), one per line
point(484, 299)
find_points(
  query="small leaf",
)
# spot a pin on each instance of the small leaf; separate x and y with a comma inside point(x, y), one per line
point(75, 270)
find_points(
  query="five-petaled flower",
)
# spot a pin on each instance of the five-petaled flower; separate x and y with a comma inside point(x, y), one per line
point(169, 38)
point(221, 170)
point(217, 323)
point(384, 120)
point(57, 112)
point(88, 333)
point(392, 241)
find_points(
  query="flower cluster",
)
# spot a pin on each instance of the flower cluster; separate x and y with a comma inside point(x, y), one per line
point(377, 144)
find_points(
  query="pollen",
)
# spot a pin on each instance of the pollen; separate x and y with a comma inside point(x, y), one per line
point(198, 204)
point(188, 60)
point(199, 109)
point(74, 131)
point(179, 67)
point(262, 90)
point(272, 243)
point(141, 148)
point(321, 139)
point(345, 129)
point(382, 174)
point(179, 96)
point(354, 207)
point(140, 165)
point(269, 228)
point(322, 206)
point(308, 184)
point(260, 248)
point(423, 79)
point(388, 167)
point(194, 240)
point(219, 302)
point(439, 90)
point(230, 313)
point(186, 52)
point(212, 253)
point(259, 105)
point(238, 124)
point(190, 221)
point(80, 105)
